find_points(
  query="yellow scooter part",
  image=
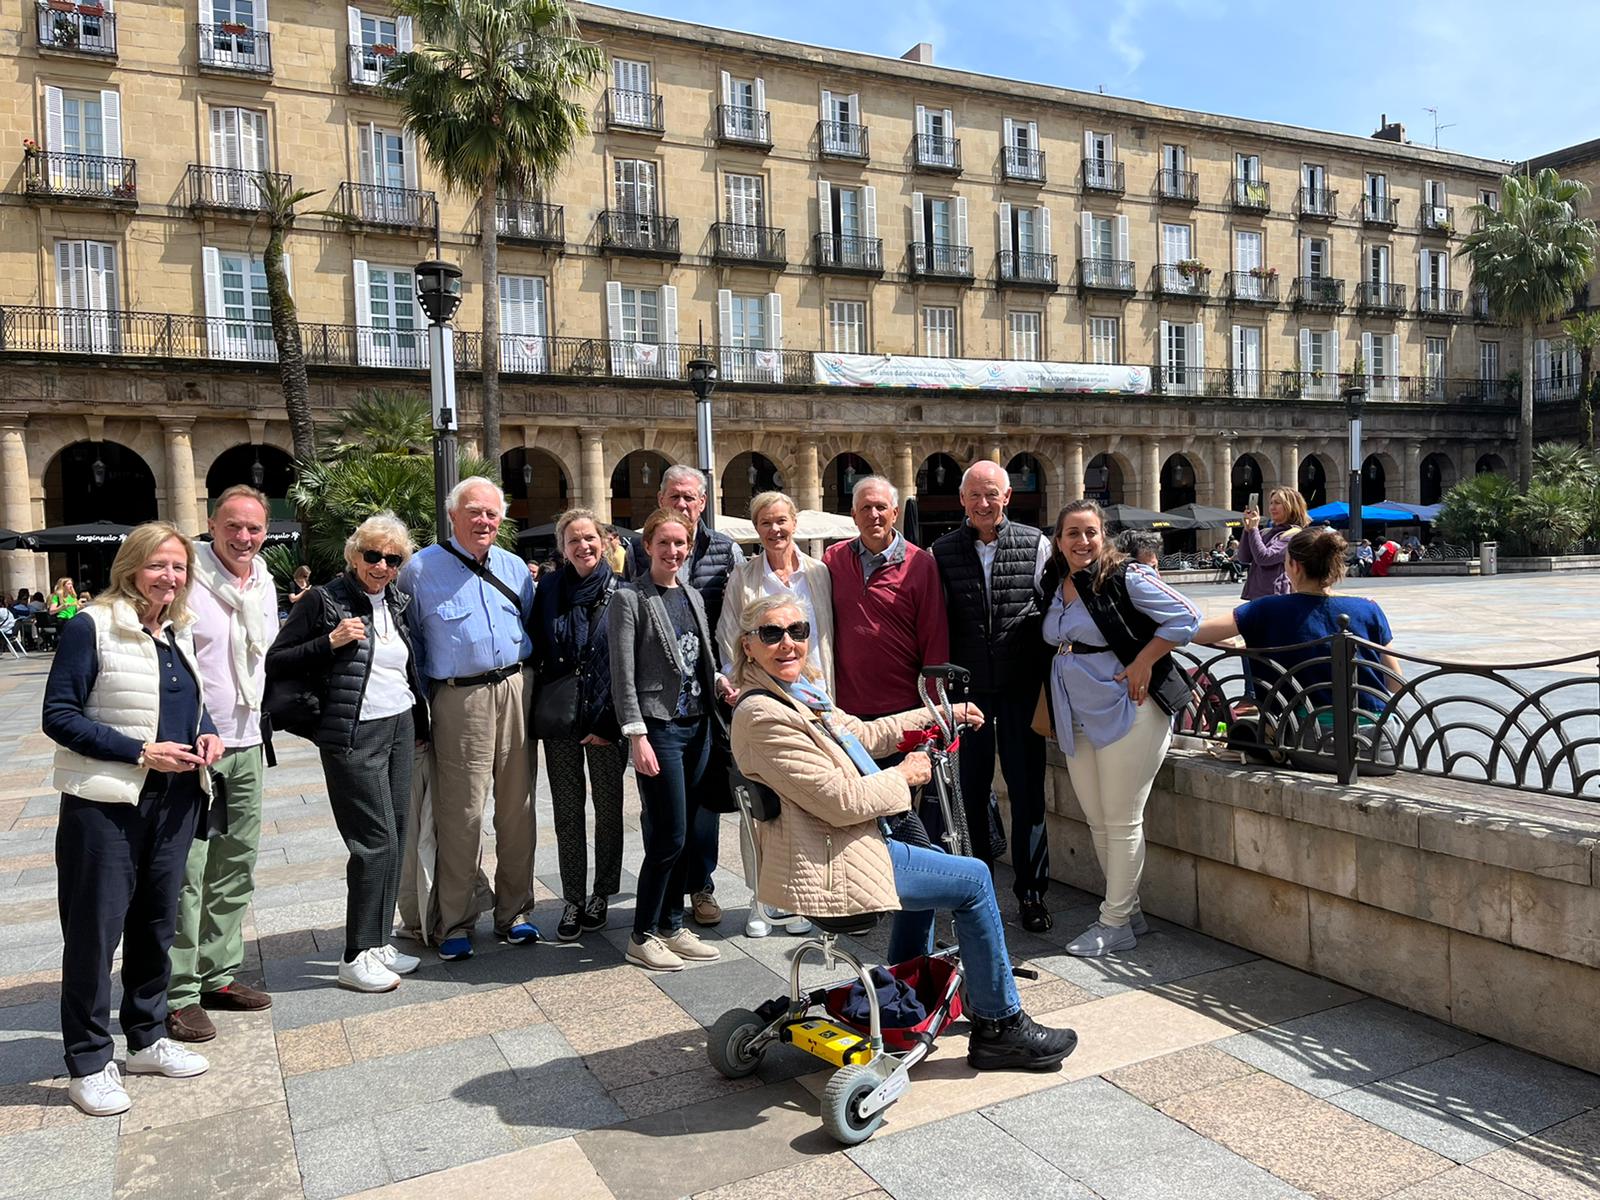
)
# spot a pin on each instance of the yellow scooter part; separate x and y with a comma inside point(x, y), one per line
point(829, 1042)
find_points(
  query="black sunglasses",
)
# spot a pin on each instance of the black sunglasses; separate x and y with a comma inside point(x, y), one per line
point(771, 635)
point(373, 557)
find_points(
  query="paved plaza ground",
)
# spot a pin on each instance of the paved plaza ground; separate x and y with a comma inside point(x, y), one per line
point(1202, 1071)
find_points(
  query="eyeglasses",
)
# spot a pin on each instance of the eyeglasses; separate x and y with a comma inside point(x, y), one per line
point(373, 557)
point(771, 635)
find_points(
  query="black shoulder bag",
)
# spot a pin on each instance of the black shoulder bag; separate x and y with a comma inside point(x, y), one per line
point(488, 576)
point(756, 798)
point(562, 704)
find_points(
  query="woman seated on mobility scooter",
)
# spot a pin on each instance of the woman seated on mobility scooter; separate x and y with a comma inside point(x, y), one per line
point(827, 855)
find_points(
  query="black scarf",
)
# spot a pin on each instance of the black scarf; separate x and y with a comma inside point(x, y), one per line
point(576, 599)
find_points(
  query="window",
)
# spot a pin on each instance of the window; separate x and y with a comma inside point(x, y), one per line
point(1247, 361)
point(1025, 242)
point(936, 143)
point(847, 326)
point(1317, 257)
point(842, 131)
point(939, 332)
point(750, 330)
point(1434, 354)
point(1375, 195)
point(1099, 160)
point(632, 101)
point(86, 289)
point(635, 186)
point(1489, 363)
point(1434, 279)
point(1313, 177)
point(1319, 362)
point(1381, 352)
point(1247, 262)
point(1433, 193)
point(374, 39)
point(641, 315)
point(744, 103)
point(1489, 198)
point(1182, 358)
point(1021, 144)
point(1027, 336)
point(238, 312)
point(1105, 340)
point(1177, 246)
point(848, 222)
point(220, 47)
point(745, 200)
point(389, 176)
point(1175, 172)
point(238, 151)
point(389, 327)
point(1247, 168)
point(83, 132)
point(522, 324)
point(1378, 265)
point(1555, 370)
point(939, 224)
point(643, 325)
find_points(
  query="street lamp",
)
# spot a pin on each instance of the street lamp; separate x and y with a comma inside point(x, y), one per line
point(1355, 399)
point(703, 381)
point(439, 293)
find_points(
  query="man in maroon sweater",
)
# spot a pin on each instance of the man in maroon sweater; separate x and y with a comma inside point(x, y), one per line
point(888, 608)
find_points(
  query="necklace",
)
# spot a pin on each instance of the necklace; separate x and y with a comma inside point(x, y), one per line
point(383, 627)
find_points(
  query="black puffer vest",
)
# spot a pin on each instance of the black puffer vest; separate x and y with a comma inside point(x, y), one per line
point(995, 632)
point(1127, 631)
point(351, 665)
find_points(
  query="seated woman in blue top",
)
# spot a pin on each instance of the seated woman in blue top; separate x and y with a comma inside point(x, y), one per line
point(1113, 691)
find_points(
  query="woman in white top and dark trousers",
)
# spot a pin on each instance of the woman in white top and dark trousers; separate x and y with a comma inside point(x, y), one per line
point(347, 640)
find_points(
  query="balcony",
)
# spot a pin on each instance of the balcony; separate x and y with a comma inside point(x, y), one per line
point(79, 178)
point(77, 29)
point(934, 153)
point(1316, 204)
point(1104, 175)
point(1380, 298)
point(641, 235)
point(1258, 286)
point(227, 189)
point(1024, 269)
point(234, 49)
point(840, 139)
point(368, 64)
point(741, 126)
point(1177, 187)
point(1021, 165)
point(1440, 304)
point(941, 260)
point(527, 223)
point(757, 245)
point(1177, 379)
point(1105, 275)
point(843, 255)
point(1482, 312)
point(1436, 220)
point(1379, 211)
point(1175, 281)
point(1251, 196)
point(1317, 293)
point(382, 207)
point(642, 112)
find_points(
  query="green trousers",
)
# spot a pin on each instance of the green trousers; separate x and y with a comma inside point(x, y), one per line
point(218, 883)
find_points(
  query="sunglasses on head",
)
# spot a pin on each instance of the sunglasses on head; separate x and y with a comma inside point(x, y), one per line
point(771, 635)
point(373, 557)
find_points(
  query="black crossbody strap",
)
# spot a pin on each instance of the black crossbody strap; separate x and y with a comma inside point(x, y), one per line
point(488, 576)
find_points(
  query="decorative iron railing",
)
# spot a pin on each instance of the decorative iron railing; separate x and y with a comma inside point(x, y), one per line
point(1317, 204)
point(941, 260)
point(1026, 269)
point(744, 125)
point(1022, 165)
point(1104, 175)
point(839, 252)
point(732, 241)
point(1178, 187)
point(1252, 287)
point(1170, 279)
point(235, 47)
point(1252, 195)
point(1373, 296)
point(379, 204)
point(1439, 302)
point(645, 234)
point(627, 109)
point(1318, 292)
point(842, 139)
point(937, 153)
point(1379, 210)
point(529, 221)
point(78, 29)
point(1106, 274)
point(228, 188)
point(79, 176)
point(368, 63)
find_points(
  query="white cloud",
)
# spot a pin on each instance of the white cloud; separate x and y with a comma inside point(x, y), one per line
point(1122, 37)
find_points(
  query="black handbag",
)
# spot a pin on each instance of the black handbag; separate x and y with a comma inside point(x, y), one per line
point(293, 705)
point(558, 708)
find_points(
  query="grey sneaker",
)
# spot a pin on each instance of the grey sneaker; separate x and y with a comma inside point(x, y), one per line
point(1138, 924)
point(1100, 939)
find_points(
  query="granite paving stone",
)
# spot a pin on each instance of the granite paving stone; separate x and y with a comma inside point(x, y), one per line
point(1257, 993)
point(1560, 1163)
point(1160, 957)
point(249, 1151)
point(416, 1026)
point(1467, 1183)
point(47, 1162)
point(709, 991)
point(1107, 1126)
point(830, 1177)
point(338, 1159)
point(548, 1092)
point(1178, 1073)
point(963, 1156)
point(313, 1048)
point(387, 1084)
point(438, 1135)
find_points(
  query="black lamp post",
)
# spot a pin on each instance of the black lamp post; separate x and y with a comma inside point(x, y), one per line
point(703, 381)
point(439, 293)
point(1355, 399)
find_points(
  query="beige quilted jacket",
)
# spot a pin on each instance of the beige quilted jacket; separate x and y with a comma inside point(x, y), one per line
point(824, 855)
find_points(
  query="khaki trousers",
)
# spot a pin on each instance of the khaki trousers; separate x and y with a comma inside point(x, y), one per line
point(480, 750)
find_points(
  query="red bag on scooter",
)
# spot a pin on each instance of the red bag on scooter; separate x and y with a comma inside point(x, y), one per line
point(935, 981)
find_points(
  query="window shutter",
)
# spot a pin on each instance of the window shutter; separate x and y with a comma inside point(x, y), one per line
point(207, 16)
point(949, 124)
point(261, 14)
point(827, 106)
point(725, 330)
point(1044, 229)
point(1366, 356)
point(55, 134)
point(1122, 238)
point(918, 223)
point(855, 108)
point(219, 138)
point(1010, 133)
point(614, 312)
point(368, 135)
point(1541, 359)
point(775, 333)
point(1088, 143)
point(727, 88)
point(1197, 353)
point(1166, 345)
point(216, 333)
point(922, 118)
point(869, 208)
point(669, 325)
point(1007, 234)
point(252, 140)
point(111, 123)
point(1305, 255)
point(402, 34)
point(353, 17)
point(1331, 366)
point(1033, 135)
point(70, 292)
point(1444, 270)
point(410, 151)
point(1394, 366)
point(961, 221)
point(761, 94)
point(1238, 348)
point(825, 208)
point(358, 272)
point(1088, 235)
point(101, 261)
point(1305, 350)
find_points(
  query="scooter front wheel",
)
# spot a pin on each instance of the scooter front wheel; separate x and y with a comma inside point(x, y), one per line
point(841, 1105)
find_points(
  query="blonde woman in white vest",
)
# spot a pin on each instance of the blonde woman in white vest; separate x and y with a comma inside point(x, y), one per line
point(125, 706)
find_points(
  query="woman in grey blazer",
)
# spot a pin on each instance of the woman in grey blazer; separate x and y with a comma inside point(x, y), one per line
point(664, 680)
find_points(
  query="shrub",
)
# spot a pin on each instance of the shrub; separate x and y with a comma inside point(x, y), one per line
point(1477, 510)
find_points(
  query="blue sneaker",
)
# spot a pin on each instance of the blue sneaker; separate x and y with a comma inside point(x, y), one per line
point(456, 948)
point(522, 932)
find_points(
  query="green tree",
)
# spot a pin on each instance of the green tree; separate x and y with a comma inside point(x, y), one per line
point(1477, 510)
point(1584, 330)
point(1551, 518)
point(1529, 256)
point(279, 201)
point(492, 93)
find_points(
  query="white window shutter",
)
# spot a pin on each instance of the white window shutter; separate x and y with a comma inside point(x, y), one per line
point(614, 311)
point(261, 14)
point(918, 224)
point(367, 165)
point(825, 208)
point(353, 18)
point(725, 330)
point(922, 118)
point(949, 124)
point(869, 207)
point(1394, 366)
point(1088, 143)
point(669, 325)
point(1541, 359)
point(1422, 269)
point(1331, 366)
point(1305, 350)
point(1010, 133)
point(761, 94)
point(727, 88)
point(410, 152)
point(1033, 136)
point(827, 106)
point(855, 108)
point(961, 221)
point(1444, 270)
point(1305, 255)
point(55, 135)
point(775, 320)
point(402, 34)
point(1238, 348)
point(216, 333)
point(207, 14)
point(1197, 349)
point(1366, 355)
point(358, 272)
point(111, 123)
point(1122, 238)
point(1044, 229)
point(252, 140)
point(1166, 344)
point(1088, 235)
point(1004, 214)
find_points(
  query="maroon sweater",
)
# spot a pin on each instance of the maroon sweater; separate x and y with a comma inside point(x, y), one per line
point(885, 631)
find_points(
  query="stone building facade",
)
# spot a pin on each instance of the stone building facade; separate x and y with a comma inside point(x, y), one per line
point(763, 202)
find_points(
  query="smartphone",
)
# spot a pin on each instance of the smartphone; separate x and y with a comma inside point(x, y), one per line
point(1255, 502)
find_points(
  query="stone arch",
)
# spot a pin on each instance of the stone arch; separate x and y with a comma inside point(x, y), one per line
point(1317, 473)
point(1491, 464)
point(246, 463)
point(839, 475)
point(1380, 474)
point(635, 481)
point(101, 480)
point(1248, 477)
point(672, 446)
point(1030, 483)
point(1109, 478)
point(747, 475)
point(1436, 476)
point(1180, 481)
point(537, 485)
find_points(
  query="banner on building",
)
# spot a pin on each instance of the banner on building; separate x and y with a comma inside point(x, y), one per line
point(1005, 375)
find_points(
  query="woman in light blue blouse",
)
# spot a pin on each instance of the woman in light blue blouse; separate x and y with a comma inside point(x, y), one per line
point(1113, 690)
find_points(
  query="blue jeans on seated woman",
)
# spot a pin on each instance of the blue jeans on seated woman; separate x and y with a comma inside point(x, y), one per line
point(929, 880)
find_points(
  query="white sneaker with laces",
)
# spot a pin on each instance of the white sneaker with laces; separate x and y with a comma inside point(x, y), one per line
point(686, 944)
point(167, 1057)
point(100, 1094)
point(756, 925)
point(400, 964)
point(367, 974)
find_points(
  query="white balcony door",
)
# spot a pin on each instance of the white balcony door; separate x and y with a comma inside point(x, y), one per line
point(238, 144)
point(1176, 247)
point(1378, 266)
point(389, 167)
point(750, 332)
point(369, 31)
point(1489, 363)
point(1246, 259)
point(1182, 357)
point(635, 181)
point(1097, 153)
point(1246, 360)
point(1025, 221)
point(389, 329)
point(1378, 195)
point(1319, 362)
point(88, 124)
point(241, 47)
point(1382, 354)
point(643, 323)
point(238, 310)
point(86, 286)
point(1433, 360)
point(746, 213)
point(522, 325)
point(847, 217)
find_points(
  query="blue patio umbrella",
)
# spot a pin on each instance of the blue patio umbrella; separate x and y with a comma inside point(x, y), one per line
point(1422, 512)
point(1338, 513)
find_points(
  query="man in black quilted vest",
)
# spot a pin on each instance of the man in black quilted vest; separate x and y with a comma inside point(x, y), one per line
point(990, 569)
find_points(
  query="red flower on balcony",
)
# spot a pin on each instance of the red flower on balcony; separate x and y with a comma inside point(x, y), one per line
point(29, 145)
point(382, 49)
point(92, 10)
point(235, 29)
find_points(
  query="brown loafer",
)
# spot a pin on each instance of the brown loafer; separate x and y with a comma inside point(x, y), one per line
point(236, 997)
point(705, 909)
point(190, 1024)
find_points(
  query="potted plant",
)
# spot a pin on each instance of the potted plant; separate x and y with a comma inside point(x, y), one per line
point(63, 5)
point(64, 32)
point(382, 49)
point(235, 28)
point(92, 9)
point(1192, 269)
point(29, 146)
point(1264, 272)
point(125, 189)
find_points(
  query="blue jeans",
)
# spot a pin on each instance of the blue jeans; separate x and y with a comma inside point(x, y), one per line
point(928, 880)
point(667, 807)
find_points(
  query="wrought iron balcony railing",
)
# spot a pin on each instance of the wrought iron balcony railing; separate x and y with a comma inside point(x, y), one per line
point(57, 174)
point(849, 255)
point(1251, 195)
point(744, 126)
point(529, 221)
point(78, 29)
point(640, 111)
point(1437, 220)
point(1026, 269)
point(748, 243)
point(227, 188)
point(1106, 275)
point(1178, 187)
point(1317, 204)
point(378, 204)
point(1380, 297)
point(841, 139)
point(1252, 287)
point(936, 153)
point(1379, 210)
point(644, 235)
point(1318, 292)
point(1104, 175)
point(368, 64)
point(1482, 311)
point(1439, 302)
point(1022, 165)
point(234, 48)
point(941, 260)
point(1172, 279)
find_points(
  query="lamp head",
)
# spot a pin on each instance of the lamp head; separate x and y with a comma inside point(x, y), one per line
point(1355, 399)
point(702, 377)
point(438, 289)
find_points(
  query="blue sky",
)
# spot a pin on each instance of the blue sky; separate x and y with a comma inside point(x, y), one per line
point(1498, 73)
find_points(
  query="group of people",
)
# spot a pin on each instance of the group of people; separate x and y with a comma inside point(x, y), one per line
point(451, 664)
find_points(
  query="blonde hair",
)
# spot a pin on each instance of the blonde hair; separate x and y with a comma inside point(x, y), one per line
point(750, 618)
point(65, 587)
point(144, 541)
point(1294, 502)
point(567, 518)
point(665, 516)
point(765, 500)
point(383, 528)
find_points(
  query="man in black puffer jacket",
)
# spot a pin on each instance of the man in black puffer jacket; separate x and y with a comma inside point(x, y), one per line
point(990, 570)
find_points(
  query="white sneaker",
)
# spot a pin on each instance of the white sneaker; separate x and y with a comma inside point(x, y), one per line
point(755, 925)
point(400, 964)
point(791, 922)
point(1101, 939)
point(167, 1057)
point(686, 944)
point(367, 974)
point(100, 1094)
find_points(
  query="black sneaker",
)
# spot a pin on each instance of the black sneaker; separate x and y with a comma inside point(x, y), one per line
point(1017, 1044)
point(594, 913)
point(1035, 917)
point(568, 928)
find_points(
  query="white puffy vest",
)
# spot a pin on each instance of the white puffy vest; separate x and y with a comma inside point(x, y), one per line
point(126, 697)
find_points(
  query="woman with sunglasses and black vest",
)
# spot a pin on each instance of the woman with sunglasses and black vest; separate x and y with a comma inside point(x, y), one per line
point(346, 642)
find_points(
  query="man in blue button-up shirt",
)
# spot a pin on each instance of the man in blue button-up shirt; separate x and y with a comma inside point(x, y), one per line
point(471, 639)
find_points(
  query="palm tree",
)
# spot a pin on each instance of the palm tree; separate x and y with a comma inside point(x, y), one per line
point(491, 94)
point(1529, 256)
point(1584, 331)
point(278, 202)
